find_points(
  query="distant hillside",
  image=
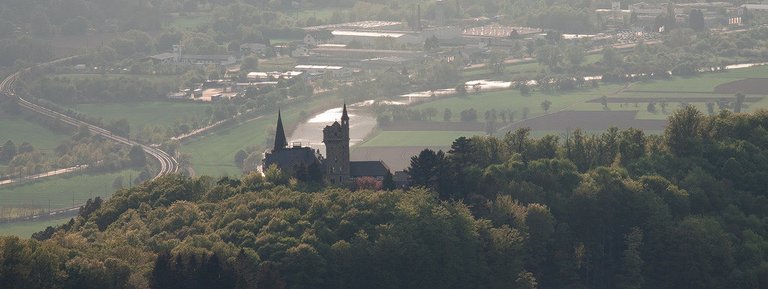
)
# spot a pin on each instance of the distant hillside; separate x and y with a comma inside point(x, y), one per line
point(617, 210)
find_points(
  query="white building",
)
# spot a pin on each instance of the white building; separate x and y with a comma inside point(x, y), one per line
point(258, 76)
point(319, 70)
point(177, 57)
point(370, 38)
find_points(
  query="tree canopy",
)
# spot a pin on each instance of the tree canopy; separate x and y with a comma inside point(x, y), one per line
point(619, 209)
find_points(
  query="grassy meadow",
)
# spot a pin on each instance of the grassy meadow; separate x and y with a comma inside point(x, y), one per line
point(529, 67)
point(189, 20)
point(705, 82)
point(277, 64)
point(416, 138)
point(26, 229)
point(148, 114)
point(54, 192)
point(18, 130)
point(512, 100)
point(214, 153)
point(60, 190)
point(319, 13)
point(635, 97)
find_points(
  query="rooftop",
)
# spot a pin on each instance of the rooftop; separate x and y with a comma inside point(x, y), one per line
point(275, 74)
point(356, 25)
point(496, 30)
point(326, 67)
point(329, 45)
point(367, 168)
point(755, 6)
point(366, 34)
point(370, 51)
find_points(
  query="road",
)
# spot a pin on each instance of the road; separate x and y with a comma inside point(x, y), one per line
point(168, 164)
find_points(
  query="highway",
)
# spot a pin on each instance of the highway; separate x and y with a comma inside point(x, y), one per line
point(168, 165)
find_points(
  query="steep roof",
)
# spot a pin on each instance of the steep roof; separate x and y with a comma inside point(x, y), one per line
point(280, 140)
point(344, 115)
point(367, 169)
point(287, 159)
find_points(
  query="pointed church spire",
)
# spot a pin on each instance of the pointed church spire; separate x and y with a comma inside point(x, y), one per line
point(280, 141)
point(344, 116)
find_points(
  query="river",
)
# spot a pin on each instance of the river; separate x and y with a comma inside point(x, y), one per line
point(310, 132)
point(362, 122)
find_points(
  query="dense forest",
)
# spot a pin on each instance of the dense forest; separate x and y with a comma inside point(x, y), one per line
point(620, 209)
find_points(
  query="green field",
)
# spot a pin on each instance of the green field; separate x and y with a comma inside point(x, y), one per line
point(641, 108)
point(705, 82)
point(60, 191)
point(512, 100)
point(660, 90)
point(520, 68)
point(673, 92)
point(19, 130)
point(416, 138)
point(531, 67)
point(141, 115)
point(189, 21)
point(26, 229)
point(277, 64)
point(323, 14)
point(214, 154)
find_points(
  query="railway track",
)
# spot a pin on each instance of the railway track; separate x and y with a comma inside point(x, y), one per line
point(168, 164)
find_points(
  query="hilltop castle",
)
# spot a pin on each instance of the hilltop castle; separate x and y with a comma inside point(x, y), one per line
point(336, 168)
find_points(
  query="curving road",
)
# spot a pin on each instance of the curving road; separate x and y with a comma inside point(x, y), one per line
point(168, 165)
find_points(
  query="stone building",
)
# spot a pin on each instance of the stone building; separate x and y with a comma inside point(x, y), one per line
point(336, 167)
point(336, 140)
point(290, 159)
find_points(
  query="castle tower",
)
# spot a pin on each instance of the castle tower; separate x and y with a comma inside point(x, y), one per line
point(336, 140)
point(280, 141)
point(345, 120)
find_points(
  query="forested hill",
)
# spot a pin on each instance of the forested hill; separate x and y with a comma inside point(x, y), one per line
point(618, 210)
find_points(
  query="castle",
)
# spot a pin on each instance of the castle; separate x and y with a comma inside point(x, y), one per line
point(336, 168)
